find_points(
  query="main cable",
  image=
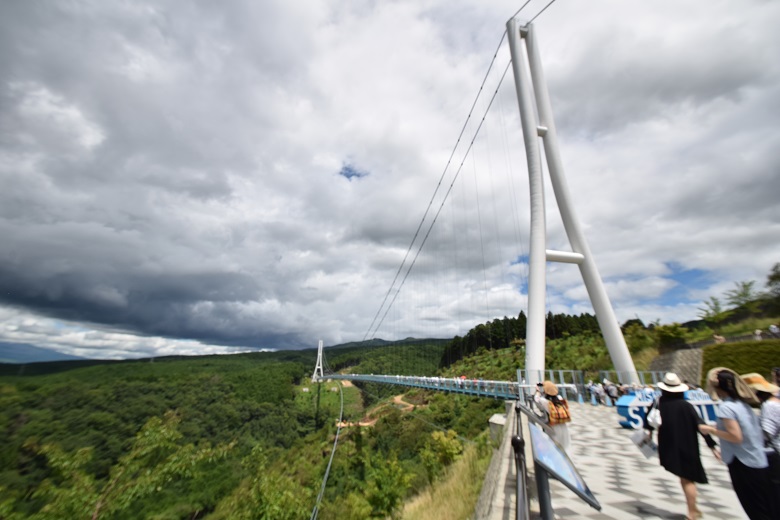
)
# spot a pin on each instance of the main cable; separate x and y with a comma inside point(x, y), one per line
point(315, 511)
point(540, 12)
point(444, 200)
point(438, 185)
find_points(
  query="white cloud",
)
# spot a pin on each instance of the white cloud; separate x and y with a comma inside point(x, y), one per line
point(84, 341)
point(177, 176)
point(42, 111)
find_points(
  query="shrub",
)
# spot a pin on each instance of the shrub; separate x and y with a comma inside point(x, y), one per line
point(743, 357)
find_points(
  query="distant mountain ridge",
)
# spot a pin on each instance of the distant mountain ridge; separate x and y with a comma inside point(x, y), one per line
point(18, 353)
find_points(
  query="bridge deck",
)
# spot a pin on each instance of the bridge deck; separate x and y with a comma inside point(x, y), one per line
point(628, 485)
point(504, 390)
point(477, 387)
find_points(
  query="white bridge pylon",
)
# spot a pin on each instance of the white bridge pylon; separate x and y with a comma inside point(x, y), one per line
point(533, 98)
point(317, 376)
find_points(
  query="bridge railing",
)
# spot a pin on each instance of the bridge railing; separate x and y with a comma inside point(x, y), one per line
point(569, 382)
point(507, 390)
point(646, 377)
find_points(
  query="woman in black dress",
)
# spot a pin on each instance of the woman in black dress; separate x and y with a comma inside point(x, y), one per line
point(678, 446)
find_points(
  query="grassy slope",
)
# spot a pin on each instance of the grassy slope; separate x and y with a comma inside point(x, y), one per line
point(455, 495)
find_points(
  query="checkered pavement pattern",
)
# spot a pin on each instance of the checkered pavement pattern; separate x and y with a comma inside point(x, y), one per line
point(627, 485)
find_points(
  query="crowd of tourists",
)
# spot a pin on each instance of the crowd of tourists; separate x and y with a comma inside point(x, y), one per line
point(749, 442)
point(607, 392)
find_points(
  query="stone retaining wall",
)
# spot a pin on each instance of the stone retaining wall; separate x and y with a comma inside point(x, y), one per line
point(685, 363)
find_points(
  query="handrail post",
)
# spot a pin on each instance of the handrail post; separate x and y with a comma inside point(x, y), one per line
point(518, 444)
point(543, 489)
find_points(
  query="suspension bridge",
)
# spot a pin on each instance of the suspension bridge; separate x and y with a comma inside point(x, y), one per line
point(441, 267)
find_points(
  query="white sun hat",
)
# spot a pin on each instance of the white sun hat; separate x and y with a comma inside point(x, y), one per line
point(672, 383)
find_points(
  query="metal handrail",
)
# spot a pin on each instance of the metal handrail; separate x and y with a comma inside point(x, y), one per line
point(522, 509)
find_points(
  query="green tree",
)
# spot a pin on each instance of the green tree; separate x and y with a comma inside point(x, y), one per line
point(743, 295)
point(638, 337)
point(155, 459)
point(440, 451)
point(713, 312)
point(386, 486)
point(773, 280)
point(264, 495)
point(773, 284)
point(671, 336)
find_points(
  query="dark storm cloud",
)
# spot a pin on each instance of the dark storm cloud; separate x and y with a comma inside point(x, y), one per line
point(121, 125)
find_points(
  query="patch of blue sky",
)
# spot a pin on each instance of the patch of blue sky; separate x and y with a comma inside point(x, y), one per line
point(350, 172)
point(687, 281)
point(520, 282)
point(687, 288)
point(522, 259)
point(72, 327)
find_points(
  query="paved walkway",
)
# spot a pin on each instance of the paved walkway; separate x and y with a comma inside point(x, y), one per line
point(629, 486)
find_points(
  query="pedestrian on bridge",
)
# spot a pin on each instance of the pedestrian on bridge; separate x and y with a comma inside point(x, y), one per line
point(742, 441)
point(557, 410)
point(611, 390)
point(770, 422)
point(678, 443)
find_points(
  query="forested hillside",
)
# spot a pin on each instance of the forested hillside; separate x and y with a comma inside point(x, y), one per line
point(243, 436)
point(70, 433)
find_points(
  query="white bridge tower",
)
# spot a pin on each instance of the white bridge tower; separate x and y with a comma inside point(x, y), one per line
point(318, 375)
point(533, 98)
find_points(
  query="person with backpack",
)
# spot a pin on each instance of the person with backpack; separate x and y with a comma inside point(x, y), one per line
point(557, 410)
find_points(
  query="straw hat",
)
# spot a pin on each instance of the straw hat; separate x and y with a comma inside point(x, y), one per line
point(672, 383)
point(743, 390)
point(550, 388)
point(759, 384)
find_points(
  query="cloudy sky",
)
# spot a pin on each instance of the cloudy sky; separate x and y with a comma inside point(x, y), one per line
point(200, 177)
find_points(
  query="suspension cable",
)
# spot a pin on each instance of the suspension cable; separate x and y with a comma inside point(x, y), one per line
point(444, 200)
point(543, 10)
point(438, 185)
point(315, 511)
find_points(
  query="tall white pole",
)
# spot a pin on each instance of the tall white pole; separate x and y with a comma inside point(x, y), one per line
point(608, 323)
point(318, 375)
point(535, 331)
point(532, 87)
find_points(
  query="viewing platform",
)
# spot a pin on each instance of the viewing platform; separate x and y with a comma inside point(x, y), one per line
point(627, 485)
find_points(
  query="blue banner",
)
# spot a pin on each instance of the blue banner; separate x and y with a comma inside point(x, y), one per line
point(632, 408)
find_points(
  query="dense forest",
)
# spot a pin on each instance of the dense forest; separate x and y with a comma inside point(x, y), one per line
point(242, 436)
point(508, 332)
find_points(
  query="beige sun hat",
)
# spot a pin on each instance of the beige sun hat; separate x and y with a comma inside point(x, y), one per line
point(550, 388)
point(743, 390)
point(758, 383)
point(672, 383)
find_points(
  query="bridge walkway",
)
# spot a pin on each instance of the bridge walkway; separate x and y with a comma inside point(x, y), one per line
point(504, 390)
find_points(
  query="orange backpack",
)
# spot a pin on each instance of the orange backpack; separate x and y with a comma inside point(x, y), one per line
point(558, 412)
